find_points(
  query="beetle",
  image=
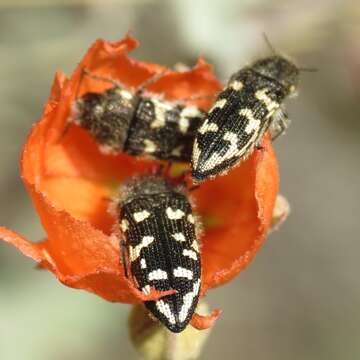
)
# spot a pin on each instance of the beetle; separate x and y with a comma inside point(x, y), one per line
point(161, 237)
point(138, 123)
point(249, 105)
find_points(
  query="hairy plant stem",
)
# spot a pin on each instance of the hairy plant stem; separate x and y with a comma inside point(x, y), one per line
point(171, 346)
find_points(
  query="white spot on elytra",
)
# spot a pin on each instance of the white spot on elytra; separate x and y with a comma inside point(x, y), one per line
point(143, 263)
point(183, 273)
point(236, 85)
point(190, 112)
point(98, 109)
point(186, 114)
point(208, 127)
point(179, 236)
point(158, 123)
point(164, 308)
point(188, 300)
point(253, 124)
point(190, 253)
point(216, 159)
point(157, 275)
point(134, 251)
point(149, 146)
point(124, 225)
point(195, 246)
point(191, 219)
point(270, 104)
point(219, 104)
point(183, 124)
point(127, 95)
point(195, 154)
point(141, 215)
point(174, 214)
point(177, 151)
point(160, 109)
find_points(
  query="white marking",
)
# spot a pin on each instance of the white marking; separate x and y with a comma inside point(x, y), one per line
point(157, 275)
point(177, 151)
point(186, 114)
point(191, 219)
point(158, 123)
point(134, 251)
point(183, 124)
point(270, 104)
point(124, 225)
point(179, 237)
point(143, 263)
point(146, 289)
point(208, 127)
point(164, 308)
point(127, 95)
point(183, 273)
point(216, 159)
point(236, 85)
point(150, 146)
point(190, 253)
point(188, 300)
point(219, 104)
point(141, 215)
point(190, 111)
point(160, 109)
point(253, 124)
point(98, 109)
point(195, 154)
point(195, 246)
point(174, 214)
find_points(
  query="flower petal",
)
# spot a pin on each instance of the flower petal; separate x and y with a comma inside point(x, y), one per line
point(28, 248)
point(281, 212)
point(236, 223)
point(71, 182)
point(202, 322)
point(106, 283)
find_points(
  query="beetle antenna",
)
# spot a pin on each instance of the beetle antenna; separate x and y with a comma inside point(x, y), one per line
point(88, 73)
point(269, 45)
point(308, 69)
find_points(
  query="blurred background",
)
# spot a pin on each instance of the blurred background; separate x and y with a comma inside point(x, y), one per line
point(300, 298)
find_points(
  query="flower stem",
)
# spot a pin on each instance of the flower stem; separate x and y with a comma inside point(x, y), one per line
point(171, 346)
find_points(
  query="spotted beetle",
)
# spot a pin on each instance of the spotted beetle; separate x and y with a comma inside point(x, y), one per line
point(137, 123)
point(161, 234)
point(250, 104)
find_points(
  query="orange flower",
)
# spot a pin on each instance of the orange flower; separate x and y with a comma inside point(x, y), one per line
point(70, 182)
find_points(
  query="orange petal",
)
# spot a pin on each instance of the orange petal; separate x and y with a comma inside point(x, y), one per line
point(236, 223)
point(27, 248)
point(101, 281)
point(71, 182)
point(202, 322)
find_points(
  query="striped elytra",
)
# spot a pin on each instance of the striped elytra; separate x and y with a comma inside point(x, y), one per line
point(249, 105)
point(161, 237)
point(137, 124)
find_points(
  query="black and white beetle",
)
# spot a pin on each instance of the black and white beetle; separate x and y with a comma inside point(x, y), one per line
point(161, 239)
point(138, 123)
point(250, 104)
